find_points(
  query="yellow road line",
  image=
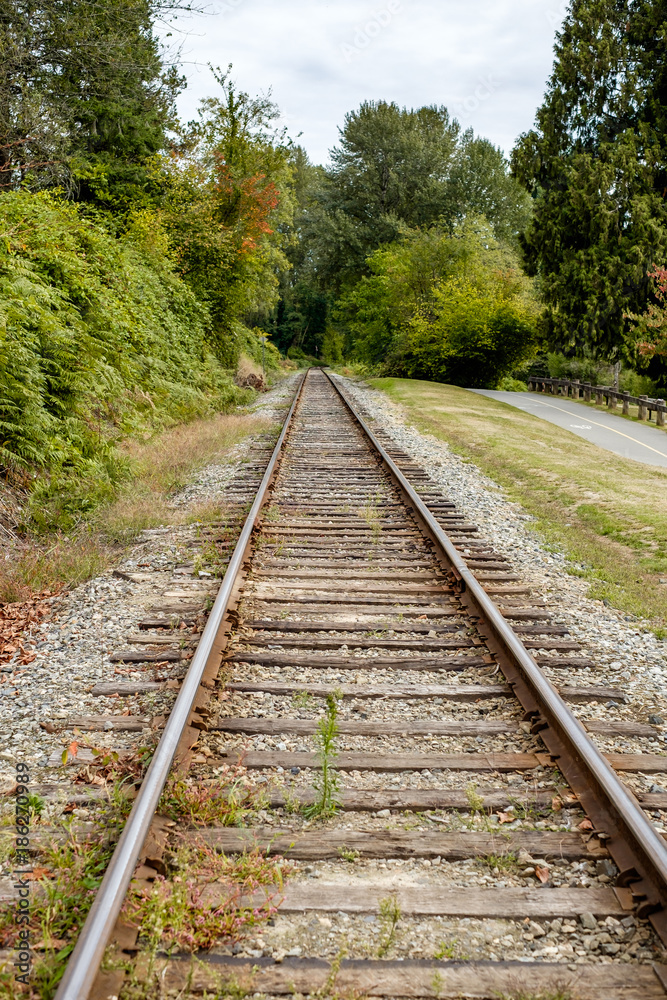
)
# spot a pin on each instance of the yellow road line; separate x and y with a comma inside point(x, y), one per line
point(604, 427)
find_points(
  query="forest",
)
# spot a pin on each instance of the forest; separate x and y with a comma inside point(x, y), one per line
point(142, 257)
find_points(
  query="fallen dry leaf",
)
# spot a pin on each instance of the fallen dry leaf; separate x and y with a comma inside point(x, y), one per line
point(506, 817)
point(585, 824)
point(556, 803)
point(542, 873)
point(38, 872)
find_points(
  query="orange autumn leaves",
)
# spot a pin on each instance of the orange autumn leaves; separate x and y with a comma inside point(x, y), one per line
point(247, 203)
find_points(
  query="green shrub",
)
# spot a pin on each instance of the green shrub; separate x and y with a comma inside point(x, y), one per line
point(510, 384)
point(451, 306)
point(99, 338)
point(469, 335)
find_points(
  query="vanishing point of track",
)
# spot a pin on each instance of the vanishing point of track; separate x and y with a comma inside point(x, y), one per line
point(365, 580)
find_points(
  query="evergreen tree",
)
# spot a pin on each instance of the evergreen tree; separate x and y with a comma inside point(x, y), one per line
point(85, 100)
point(595, 166)
point(389, 170)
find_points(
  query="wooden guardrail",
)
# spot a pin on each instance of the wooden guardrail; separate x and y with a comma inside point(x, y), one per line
point(604, 394)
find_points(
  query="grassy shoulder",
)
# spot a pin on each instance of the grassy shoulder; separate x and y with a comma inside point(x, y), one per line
point(607, 513)
point(157, 467)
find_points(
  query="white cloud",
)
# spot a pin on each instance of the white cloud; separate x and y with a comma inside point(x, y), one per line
point(488, 61)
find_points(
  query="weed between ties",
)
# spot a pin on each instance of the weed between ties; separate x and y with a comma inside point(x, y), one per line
point(390, 914)
point(327, 780)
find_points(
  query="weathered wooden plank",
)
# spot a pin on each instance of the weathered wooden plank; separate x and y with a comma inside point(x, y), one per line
point(451, 692)
point(359, 641)
point(448, 692)
point(525, 614)
point(622, 728)
point(354, 727)
point(84, 755)
point(457, 846)
point(444, 980)
point(643, 763)
point(361, 663)
point(147, 656)
point(167, 638)
point(417, 799)
point(162, 621)
point(591, 693)
point(646, 763)
point(104, 723)
point(561, 662)
point(388, 763)
point(445, 901)
point(126, 688)
point(279, 625)
point(380, 589)
point(350, 609)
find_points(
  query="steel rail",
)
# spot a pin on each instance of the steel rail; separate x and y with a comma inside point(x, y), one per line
point(86, 957)
point(639, 851)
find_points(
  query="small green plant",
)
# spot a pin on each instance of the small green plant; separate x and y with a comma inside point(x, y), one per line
point(327, 781)
point(327, 990)
point(302, 699)
point(272, 513)
point(390, 914)
point(508, 862)
point(348, 854)
point(291, 801)
point(475, 800)
point(227, 803)
point(450, 950)
point(36, 805)
point(371, 515)
point(176, 915)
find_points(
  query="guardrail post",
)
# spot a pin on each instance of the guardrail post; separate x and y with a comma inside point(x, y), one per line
point(660, 413)
point(626, 404)
point(611, 400)
point(576, 386)
point(563, 388)
point(587, 392)
point(598, 395)
point(643, 400)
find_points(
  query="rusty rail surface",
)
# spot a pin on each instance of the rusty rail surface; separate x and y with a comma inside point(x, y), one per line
point(638, 850)
point(87, 955)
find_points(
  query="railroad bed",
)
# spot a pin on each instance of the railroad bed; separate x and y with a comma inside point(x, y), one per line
point(481, 846)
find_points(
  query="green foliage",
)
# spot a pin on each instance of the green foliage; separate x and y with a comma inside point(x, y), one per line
point(85, 98)
point(510, 384)
point(447, 307)
point(390, 914)
point(595, 167)
point(99, 337)
point(327, 782)
point(587, 369)
point(228, 202)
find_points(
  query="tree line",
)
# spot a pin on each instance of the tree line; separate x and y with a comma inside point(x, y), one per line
point(141, 255)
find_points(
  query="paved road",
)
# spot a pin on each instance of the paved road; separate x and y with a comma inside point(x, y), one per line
point(624, 437)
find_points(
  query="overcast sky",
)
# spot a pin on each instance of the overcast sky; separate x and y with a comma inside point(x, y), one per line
point(486, 60)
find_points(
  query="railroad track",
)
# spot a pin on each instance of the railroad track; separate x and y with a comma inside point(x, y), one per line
point(482, 846)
